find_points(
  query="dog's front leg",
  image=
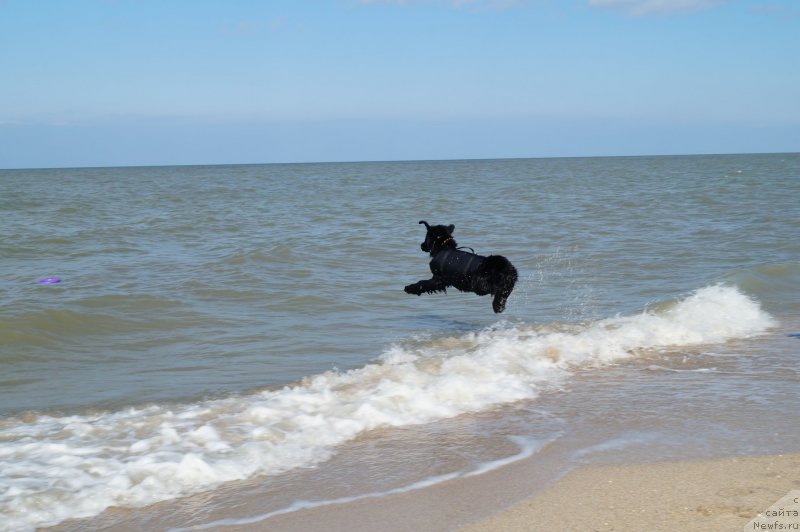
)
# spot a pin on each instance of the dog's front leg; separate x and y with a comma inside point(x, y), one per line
point(426, 285)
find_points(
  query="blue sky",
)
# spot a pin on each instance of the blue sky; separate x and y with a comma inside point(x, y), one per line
point(147, 82)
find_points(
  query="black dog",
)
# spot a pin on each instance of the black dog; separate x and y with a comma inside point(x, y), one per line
point(465, 271)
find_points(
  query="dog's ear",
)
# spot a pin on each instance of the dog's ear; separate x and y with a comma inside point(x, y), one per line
point(450, 229)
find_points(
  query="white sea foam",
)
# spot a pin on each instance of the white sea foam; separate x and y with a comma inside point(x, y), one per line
point(54, 468)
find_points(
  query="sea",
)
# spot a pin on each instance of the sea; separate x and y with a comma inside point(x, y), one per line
point(230, 333)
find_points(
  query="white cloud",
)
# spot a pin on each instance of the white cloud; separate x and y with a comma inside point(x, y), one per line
point(652, 7)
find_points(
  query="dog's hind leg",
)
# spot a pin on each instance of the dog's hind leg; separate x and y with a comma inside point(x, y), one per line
point(504, 277)
point(499, 302)
point(426, 285)
point(501, 296)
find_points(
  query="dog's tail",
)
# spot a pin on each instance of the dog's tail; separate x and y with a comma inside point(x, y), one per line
point(503, 278)
point(426, 224)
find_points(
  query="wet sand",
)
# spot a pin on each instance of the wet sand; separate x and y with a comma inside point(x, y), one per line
point(721, 494)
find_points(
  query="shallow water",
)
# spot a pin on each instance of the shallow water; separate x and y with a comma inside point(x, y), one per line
point(653, 312)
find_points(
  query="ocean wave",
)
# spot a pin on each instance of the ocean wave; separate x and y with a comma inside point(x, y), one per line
point(56, 468)
point(776, 285)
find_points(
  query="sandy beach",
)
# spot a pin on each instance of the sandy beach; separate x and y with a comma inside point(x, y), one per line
point(712, 495)
point(724, 494)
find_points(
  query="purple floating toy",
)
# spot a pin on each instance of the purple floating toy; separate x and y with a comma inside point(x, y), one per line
point(49, 280)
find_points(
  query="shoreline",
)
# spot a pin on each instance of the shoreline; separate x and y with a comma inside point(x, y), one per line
point(713, 494)
point(718, 494)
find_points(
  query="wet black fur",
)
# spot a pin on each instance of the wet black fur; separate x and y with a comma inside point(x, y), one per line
point(462, 270)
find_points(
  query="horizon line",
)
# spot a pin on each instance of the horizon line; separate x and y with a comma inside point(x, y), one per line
point(390, 161)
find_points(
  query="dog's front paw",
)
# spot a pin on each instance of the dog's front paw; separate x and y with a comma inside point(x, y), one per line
point(413, 289)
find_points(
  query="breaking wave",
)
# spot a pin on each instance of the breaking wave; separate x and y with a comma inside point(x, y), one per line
point(53, 468)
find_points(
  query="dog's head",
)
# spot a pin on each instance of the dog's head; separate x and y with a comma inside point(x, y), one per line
point(438, 237)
